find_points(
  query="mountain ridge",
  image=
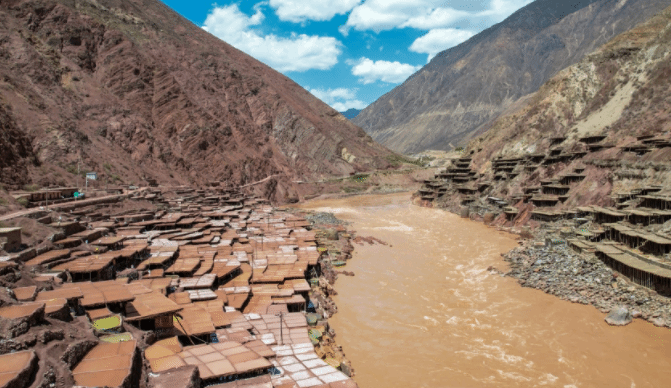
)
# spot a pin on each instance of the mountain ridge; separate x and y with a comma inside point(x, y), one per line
point(351, 113)
point(457, 94)
point(131, 89)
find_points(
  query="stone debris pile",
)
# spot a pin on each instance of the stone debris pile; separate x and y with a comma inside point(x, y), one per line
point(552, 195)
point(553, 266)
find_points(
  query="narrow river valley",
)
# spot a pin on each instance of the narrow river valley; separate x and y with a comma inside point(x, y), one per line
point(424, 311)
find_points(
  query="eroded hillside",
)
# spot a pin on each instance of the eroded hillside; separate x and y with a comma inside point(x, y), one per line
point(609, 114)
point(464, 89)
point(132, 90)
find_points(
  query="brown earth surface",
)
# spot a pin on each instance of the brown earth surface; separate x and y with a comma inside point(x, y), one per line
point(133, 91)
point(621, 91)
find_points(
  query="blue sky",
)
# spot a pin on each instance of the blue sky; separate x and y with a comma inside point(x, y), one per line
point(348, 53)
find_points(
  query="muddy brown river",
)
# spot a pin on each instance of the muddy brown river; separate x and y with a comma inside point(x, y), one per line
point(425, 312)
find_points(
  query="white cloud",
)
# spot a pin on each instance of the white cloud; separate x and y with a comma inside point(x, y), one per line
point(298, 11)
point(295, 53)
point(380, 15)
point(340, 99)
point(370, 71)
point(435, 18)
point(501, 9)
point(438, 40)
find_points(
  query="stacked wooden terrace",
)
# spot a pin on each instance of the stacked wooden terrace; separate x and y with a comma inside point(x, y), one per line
point(221, 277)
point(628, 247)
point(647, 143)
point(507, 168)
point(631, 225)
point(458, 177)
point(45, 196)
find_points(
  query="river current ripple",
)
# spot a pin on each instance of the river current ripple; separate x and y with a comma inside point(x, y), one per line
point(425, 312)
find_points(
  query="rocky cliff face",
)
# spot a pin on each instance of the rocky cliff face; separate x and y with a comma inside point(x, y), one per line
point(132, 90)
point(16, 150)
point(463, 89)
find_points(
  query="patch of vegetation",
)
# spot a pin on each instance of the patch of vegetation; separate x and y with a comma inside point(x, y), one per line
point(3, 202)
point(72, 169)
point(359, 178)
point(107, 166)
point(23, 202)
point(353, 189)
point(31, 188)
point(396, 160)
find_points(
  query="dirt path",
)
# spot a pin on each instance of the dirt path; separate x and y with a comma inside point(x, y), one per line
point(261, 181)
point(65, 205)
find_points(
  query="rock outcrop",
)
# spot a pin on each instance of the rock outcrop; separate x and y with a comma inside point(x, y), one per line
point(619, 317)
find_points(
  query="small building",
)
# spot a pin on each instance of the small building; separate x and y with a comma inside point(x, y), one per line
point(571, 178)
point(546, 216)
point(656, 202)
point(638, 269)
point(556, 189)
point(467, 190)
point(544, 200)
point(511, 213)
point(656, 244)
point(604, 216)
point(152, 311)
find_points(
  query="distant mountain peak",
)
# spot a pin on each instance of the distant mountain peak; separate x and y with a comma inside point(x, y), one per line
point(465, 88)
point(351, 113)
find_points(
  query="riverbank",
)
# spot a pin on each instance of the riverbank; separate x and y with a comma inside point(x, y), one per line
point(334, 244)
point(546, 261)
point(430, 307)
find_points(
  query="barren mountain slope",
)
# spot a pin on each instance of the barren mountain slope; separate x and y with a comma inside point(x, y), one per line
point(466, 87)
point(621, 92)
point(134, 91)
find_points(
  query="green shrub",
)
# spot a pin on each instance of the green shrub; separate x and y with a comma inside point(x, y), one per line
point(23, 202)
point(31, 188)
point(350, 189)
point(396, 160)
point(359, 178)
